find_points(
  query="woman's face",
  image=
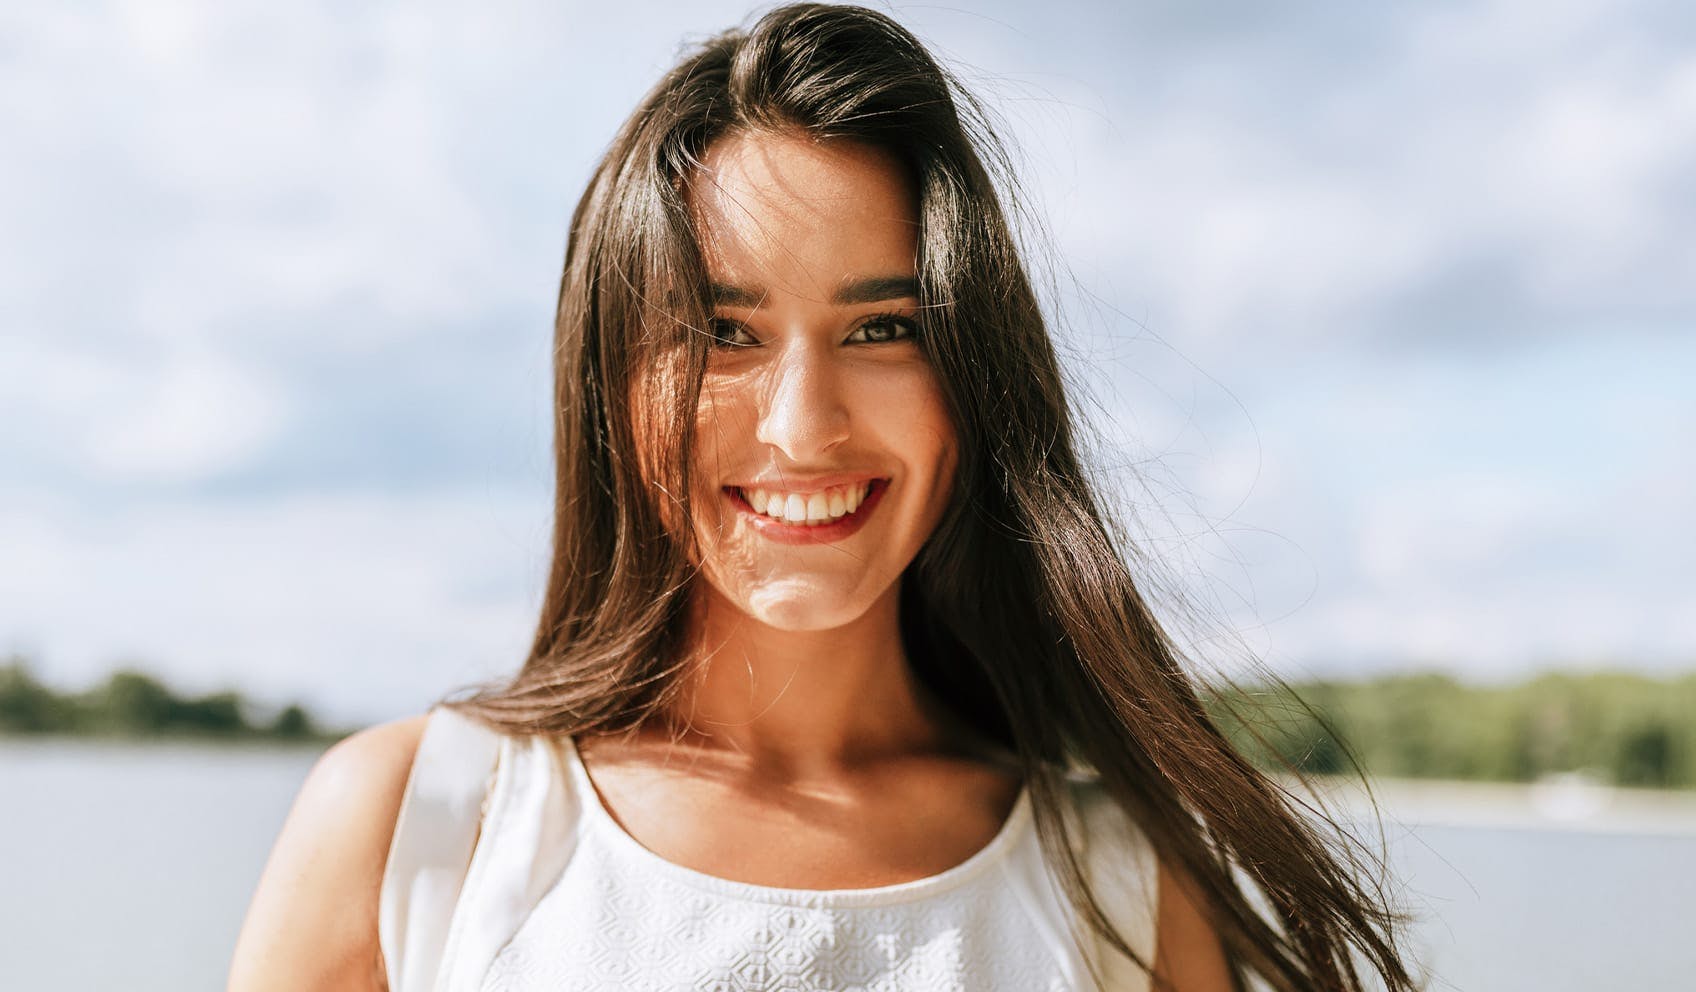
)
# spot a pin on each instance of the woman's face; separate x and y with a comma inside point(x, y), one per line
point(824, 452)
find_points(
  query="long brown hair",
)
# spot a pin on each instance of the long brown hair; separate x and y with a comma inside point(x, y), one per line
point(1021, 610)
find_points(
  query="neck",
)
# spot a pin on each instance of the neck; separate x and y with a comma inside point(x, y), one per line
point(803, 701)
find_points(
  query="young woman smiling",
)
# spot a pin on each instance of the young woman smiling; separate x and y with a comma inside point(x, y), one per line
point(841, 680)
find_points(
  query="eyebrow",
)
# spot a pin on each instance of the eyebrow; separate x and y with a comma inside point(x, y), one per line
point(873, 290)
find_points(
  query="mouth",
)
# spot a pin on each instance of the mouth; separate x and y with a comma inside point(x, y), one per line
point(809, 518)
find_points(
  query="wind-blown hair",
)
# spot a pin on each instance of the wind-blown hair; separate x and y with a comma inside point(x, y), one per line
point(1020, 611)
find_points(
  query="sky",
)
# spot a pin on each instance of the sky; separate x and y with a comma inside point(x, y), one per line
point(1383, 317)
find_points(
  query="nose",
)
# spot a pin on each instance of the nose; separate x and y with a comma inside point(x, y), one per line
point(805, 413)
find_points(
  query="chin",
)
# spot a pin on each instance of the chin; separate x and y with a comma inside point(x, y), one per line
point(804, 609)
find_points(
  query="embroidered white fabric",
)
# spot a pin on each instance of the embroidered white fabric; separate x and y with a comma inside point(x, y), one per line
point(552, 894)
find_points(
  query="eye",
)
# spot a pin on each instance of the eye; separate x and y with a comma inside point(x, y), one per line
point(730, 333)
point(884, 327)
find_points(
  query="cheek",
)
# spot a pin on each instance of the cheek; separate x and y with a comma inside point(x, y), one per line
point(725, 421)
point(935, 424)
point(908, 415)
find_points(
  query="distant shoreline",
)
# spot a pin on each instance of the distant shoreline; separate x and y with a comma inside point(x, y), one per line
point(318, 741)
point(132, 706)
point(1566, 803)
point(1558, 802)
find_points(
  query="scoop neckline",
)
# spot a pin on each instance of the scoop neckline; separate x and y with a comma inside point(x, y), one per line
point(599, 819)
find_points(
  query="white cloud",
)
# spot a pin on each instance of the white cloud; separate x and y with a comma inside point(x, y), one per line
point(1486, 518)
point(234, 225)
point(255, 161)
point(181, 417)
point(1250, 201)
point(369, 607)
point(190, 420)
point(1433, 532)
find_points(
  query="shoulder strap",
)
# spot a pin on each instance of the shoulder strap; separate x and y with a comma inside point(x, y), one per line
point(530, 829)
point(435, 835)
point(1124, 874)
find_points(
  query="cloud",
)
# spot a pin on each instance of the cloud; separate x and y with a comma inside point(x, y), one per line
point(181, 417)
point(1439, 178)
point(1385, 317)
point(367, 606)
point(1484, 517)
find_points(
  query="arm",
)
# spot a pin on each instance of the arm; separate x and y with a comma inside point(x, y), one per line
point(313, 920)
point(1187, 951)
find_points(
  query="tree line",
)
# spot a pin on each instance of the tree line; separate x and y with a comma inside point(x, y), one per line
point(132, 703)
point(1620, 727)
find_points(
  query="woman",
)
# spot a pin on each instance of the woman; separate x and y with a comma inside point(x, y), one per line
point(841, 680)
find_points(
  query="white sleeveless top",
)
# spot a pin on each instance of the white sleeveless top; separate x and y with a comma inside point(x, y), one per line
point(506, 874)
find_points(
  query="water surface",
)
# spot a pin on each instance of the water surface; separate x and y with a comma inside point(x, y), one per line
point(129, 867)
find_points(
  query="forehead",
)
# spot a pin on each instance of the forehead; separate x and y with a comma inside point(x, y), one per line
point(790, 213)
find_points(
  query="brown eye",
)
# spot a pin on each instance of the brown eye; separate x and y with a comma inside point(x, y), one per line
point(884, 327)
point(730, 333)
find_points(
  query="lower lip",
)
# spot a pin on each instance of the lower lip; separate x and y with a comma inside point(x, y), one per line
point(787, 533)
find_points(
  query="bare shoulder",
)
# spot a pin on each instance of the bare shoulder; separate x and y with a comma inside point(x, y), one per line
point(1187, 952)
point(312, 923)
point(1186, 949)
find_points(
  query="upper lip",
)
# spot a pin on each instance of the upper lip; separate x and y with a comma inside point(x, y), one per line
point(807, 483)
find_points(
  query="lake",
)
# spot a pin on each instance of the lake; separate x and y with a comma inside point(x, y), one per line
point(130, 867)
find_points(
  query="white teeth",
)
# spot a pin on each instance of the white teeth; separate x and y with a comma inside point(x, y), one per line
point(811, 509)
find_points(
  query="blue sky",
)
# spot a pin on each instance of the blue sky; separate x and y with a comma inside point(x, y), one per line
point(1384, 319)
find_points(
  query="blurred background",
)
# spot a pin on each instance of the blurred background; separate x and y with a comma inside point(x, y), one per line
point(1382, 317)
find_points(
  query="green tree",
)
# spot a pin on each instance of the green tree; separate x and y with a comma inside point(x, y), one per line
point(1645, 757)
point(131, 702)
point(27, 706)
point(219, 713)
point(293, 723)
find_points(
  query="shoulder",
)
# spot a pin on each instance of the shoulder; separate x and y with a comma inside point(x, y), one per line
point(1122, 870)
point(313, 919)
point(367, 769)
point(1188, 953)
point(1157, 907)
point(1107, 832)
